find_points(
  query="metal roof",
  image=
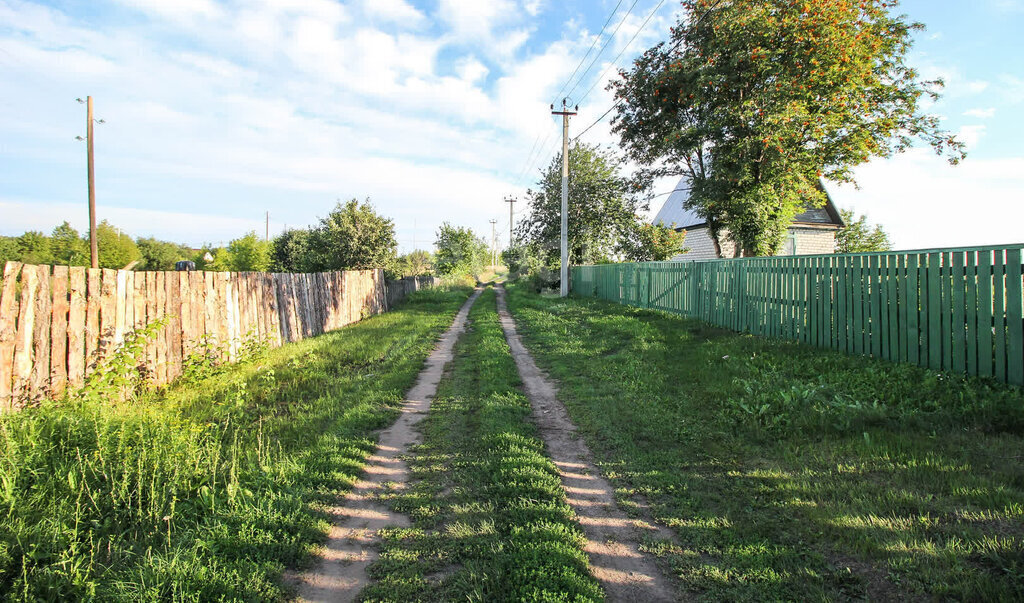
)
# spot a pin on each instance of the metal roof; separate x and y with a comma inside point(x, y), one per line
point(674, 210)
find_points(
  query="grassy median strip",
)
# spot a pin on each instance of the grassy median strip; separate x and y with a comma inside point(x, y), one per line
point(209, 490)
point(790, 472)
point(490, 518)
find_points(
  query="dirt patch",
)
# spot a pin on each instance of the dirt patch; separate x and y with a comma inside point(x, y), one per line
point(613, 538)
point(358, 518)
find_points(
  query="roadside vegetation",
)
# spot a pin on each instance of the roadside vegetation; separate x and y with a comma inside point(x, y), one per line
point(490, 520)
point(788, 472)
point(209, 490)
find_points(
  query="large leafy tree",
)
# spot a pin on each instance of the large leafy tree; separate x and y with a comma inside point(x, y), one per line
point(249, 253)
point(67, 247)
point(459, 251)
point(290, 251)
point(602, 210)
point(755, 100)
point(352, 237)
point(858, 236)
point(116, 248)
point(160, 255)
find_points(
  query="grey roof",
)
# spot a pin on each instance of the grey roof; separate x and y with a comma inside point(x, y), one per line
point(674, 210)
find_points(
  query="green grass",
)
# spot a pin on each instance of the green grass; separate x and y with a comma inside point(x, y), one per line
point(490, 518)
point(789, 473)
point(209, 490)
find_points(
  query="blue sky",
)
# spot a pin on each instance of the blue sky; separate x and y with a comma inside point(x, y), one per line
point(219, 111)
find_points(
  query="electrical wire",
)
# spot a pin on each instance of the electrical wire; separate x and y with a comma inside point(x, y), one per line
point(600, 52)
point(589, 50)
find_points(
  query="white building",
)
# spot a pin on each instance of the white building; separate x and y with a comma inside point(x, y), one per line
point(813, 232)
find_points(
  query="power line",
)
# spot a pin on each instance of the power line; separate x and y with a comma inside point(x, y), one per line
point(589, 50)
point(597, 121)
point(623, 51)
point(608, 41)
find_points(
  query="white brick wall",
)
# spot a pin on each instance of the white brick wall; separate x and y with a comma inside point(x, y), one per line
point(809, 241)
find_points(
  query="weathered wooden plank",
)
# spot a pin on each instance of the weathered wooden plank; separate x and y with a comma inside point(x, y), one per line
point(160, 291)
point(40, 380)
point(24, 349)
point(120, 297)
point(129, 301)
point(93, 299)
point(272, 307)
point(174, 312)
point(185, 311)
point(197, 284)
point(59, 332)
point(108, 307)
point(210, 332)
point(9, 310)
point(76, 327)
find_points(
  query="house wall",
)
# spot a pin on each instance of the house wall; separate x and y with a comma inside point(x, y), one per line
point(809, 241)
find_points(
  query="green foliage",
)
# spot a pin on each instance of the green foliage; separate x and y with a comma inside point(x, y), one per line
point(116, 248)
point(489, 513)
point(67, 248)
point(459, 251)
point(790, 473)
point(646, 242)
point(755, 100)
point(160, 255)
point(207, 491)
point(601, 210)
point(249, 254)
point(857, 236)
point(33, 247)
point(352, 237)
point(415, 263)
point(290, 251)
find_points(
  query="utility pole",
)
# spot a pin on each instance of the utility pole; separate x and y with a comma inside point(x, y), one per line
point(494, 248)
point(510, 201)
point(564, 274)
point(94, 253)
point(268, 226)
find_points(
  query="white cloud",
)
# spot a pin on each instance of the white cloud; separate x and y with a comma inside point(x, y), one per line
point(971, 135)
point(178, 10)
point(475, 19)
point(470, 69)
point(396, 11)
point(981, 113)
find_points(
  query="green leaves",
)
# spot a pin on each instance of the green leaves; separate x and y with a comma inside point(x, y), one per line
point(755, 100)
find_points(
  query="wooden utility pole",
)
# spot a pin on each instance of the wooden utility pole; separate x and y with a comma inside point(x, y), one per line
point(510, 201)
point(94, 252)
point(494, 246)
point(268, 226)
point(564, 273)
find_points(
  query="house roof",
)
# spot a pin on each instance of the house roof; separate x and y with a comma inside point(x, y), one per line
point(674, 211)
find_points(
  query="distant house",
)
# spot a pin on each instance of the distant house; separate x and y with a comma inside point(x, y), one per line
point(812, 232)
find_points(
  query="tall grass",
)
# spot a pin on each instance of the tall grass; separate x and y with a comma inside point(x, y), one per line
point(210, 489)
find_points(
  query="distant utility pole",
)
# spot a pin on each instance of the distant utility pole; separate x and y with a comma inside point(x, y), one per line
point(566, 114)
point(94, 253)
point(268, 226)
point(494, 246)
point(510, 201)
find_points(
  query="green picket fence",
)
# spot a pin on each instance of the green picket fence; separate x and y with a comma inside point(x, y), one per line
point(958, 310)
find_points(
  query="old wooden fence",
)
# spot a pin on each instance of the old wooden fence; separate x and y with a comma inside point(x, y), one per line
point(57, 323)
point(947, 309)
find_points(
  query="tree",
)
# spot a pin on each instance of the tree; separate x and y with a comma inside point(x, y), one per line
point(459, 251)
point(290, 251)
point(646, 242)
point(352, 237)
point(414, 263)
point(117, 249)
point(755, 100)
point(858, 237)
point(33, 247)
point(67, 248)
point(601, 209)
point(160, 255)
point(249, 254)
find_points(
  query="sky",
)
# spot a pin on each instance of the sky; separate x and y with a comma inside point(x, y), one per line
point(217, 112)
